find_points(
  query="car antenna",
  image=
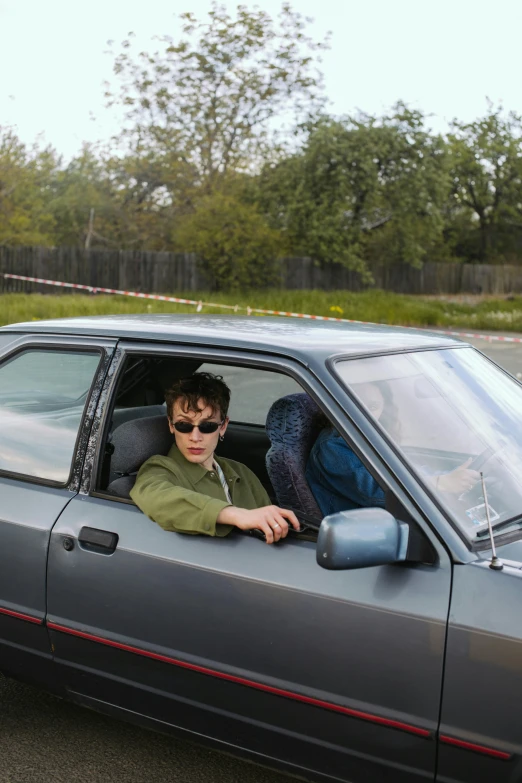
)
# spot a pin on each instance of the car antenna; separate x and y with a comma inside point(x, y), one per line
point(496, 564)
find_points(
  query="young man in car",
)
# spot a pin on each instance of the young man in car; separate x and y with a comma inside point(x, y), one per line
point(193, 491)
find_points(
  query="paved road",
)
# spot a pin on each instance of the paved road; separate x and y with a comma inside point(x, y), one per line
point(46, 740)
point(508, 355)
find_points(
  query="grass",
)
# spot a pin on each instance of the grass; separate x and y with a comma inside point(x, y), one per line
point(377, 306)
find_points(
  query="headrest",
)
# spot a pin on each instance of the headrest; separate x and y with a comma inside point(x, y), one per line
point(292, 418)
point(137, 440)
point(292, 425)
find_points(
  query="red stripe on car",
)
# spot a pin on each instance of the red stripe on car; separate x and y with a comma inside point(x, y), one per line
point(393, 724)
point(497, 754)
point(19, 616)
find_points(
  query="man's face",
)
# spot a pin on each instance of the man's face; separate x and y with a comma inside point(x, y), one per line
point(196, 446)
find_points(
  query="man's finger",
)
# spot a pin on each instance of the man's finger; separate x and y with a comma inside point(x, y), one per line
point(277, 530)
point(279, 518)
point(291, 517)
point(465, 464)
point(281, 526)
point(267, 530)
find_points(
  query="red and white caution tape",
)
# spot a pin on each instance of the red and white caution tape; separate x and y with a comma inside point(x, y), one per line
point(249, 310)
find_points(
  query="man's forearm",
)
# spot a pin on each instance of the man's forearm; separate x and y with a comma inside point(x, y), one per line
point(229, 516)
point(175, 508)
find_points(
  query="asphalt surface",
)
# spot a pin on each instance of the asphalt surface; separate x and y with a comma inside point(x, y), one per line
point(46, 740)
point(508, 355)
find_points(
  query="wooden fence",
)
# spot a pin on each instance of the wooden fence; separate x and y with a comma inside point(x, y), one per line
point(179, 272)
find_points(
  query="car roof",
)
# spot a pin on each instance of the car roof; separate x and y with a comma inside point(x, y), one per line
point(289, 336)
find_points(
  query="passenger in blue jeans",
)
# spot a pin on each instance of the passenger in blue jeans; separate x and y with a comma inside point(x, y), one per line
point(338, 479)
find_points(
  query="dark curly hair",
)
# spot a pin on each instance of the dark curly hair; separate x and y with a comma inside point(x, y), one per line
point(202, 387)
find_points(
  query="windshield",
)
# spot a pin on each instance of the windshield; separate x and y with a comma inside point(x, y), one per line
point(454, 415)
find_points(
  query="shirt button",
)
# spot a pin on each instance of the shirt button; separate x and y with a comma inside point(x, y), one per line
point(207, 526)
point(212, 475)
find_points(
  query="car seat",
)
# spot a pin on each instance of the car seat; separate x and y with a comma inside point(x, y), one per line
point(133, 443)
point(292, 425)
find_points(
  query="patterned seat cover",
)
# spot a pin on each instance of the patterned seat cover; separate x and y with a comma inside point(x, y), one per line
point(292, 426)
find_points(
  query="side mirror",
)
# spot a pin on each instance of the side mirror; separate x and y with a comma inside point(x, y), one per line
point(361, 538)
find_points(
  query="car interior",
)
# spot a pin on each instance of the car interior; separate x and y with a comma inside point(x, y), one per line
point(273, 425)
point(269, 415)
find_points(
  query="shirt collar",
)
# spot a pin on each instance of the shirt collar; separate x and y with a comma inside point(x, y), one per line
point(196, 472)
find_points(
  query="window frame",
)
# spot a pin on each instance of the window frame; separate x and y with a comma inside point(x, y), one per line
point(331, 401)
point(64, 344)
point(126, 350)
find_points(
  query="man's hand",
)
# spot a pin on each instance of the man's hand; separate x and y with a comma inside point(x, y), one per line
point(272, 520)
point(459, 480)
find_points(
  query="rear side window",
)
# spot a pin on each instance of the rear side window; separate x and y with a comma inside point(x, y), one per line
point(43, 394)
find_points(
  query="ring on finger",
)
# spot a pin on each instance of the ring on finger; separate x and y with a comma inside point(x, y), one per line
point(277, 525)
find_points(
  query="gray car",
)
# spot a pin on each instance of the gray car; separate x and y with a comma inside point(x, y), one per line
point(376, 645)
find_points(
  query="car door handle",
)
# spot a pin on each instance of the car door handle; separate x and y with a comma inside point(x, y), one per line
point(102, 541)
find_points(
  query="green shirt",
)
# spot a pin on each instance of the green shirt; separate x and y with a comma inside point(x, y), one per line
point(186, 497)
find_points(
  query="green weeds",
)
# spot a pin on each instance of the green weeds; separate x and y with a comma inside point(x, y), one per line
point(377, 306)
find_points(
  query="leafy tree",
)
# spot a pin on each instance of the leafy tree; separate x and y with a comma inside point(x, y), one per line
point(486, 167)
point(108, 201)
point(200, 111)
point(83, 202)
point(153, 191)
point(360, 189)
point(25, 179)
point(233, 241)
point(209, 100)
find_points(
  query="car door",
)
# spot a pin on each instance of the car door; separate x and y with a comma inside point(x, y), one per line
point(46, 384)
point(257, 648)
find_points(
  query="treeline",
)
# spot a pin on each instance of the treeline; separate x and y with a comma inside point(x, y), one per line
point(227, 150)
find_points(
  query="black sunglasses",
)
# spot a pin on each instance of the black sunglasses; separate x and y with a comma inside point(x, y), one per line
point(206, 427)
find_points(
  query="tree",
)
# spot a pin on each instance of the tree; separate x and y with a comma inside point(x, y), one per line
point(25, 180)
point(360, 189)
point(80, 190)
point(486, 167)
point(153, 191)
point(233, 241)
point(111, 201)
point(209, 100)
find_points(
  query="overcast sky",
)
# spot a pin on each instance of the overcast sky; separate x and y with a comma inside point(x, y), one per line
point(442, 56)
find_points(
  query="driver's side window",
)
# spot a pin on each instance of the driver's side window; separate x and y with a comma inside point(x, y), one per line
point(276, 429)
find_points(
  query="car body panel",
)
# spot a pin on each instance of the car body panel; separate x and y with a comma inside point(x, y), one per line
point(332, 740)
point(28, 510)
point(290, 632)
point(27, 515)
point(483, 672)
point(292, 337)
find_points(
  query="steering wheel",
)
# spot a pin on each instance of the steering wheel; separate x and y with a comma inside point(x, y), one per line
point(481, 459)
point(474, 493)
